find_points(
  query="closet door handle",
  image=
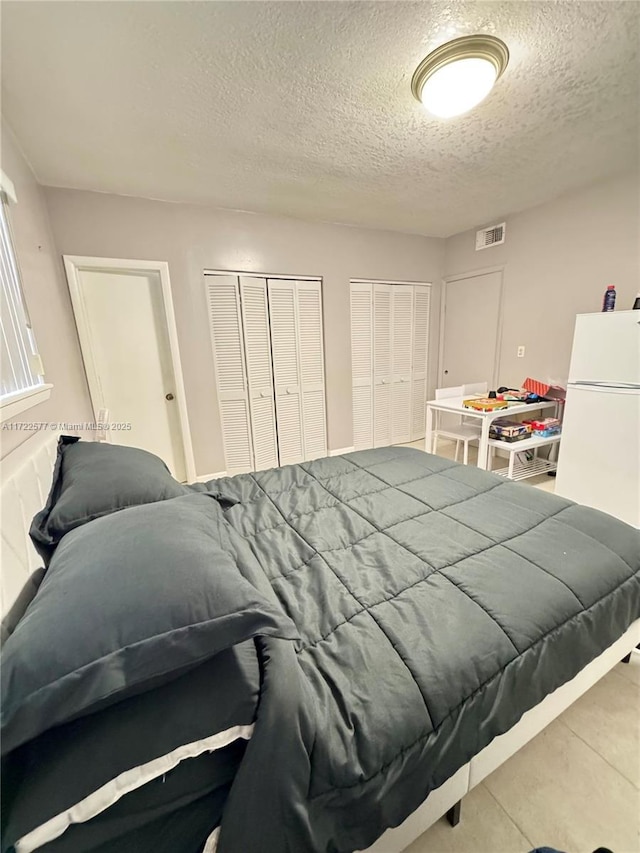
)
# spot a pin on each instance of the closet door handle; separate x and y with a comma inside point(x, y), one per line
point(264, 394)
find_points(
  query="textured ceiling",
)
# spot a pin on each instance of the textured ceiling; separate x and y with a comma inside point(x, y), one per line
point(305, 109)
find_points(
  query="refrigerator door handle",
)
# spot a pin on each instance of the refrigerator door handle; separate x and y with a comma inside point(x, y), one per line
point(599, 384)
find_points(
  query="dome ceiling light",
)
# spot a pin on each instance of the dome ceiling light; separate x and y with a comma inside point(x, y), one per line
point(459, 74)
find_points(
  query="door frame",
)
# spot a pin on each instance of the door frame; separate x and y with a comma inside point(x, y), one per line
point(450, 279)
point(74, 264)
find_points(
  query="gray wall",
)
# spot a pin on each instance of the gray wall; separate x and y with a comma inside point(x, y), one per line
point(48, 301)
point(192, 238)
point(558, 259)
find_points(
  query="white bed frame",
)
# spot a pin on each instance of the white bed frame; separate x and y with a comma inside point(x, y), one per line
point(26, 479)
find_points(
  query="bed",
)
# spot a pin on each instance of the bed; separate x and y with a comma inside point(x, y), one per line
point(482, 608)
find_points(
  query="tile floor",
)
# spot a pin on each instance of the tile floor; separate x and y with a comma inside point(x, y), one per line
point(575, 787)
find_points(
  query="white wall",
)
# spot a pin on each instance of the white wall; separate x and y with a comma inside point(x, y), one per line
point(47, 298)
point(558, 259)
point(192, 238)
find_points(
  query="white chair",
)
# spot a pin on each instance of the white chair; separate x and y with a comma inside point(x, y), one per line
point(473, 388)
point(457, 432)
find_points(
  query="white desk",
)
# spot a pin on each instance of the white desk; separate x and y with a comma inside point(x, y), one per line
point(454, 405)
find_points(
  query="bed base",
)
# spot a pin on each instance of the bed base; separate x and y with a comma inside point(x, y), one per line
point(453, 815)
point(445, 800)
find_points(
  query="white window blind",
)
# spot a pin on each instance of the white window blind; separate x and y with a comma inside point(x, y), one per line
point(21, 366)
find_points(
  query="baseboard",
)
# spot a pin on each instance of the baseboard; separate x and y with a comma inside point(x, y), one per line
point(341, 450)
point(204, 478)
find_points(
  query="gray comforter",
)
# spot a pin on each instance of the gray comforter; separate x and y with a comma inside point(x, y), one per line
point(435, 604)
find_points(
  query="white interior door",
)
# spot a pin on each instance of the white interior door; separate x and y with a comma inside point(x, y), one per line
point(381, 365)
point(286, 371)
point(311, 352)
point(470, 333)
point(419, 360)
point(123, 325)
point(257, 344)
point(401, 347)
point(225, 325)
point(362, 363)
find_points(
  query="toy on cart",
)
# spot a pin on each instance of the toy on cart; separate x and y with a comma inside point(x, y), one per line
point(505, 430)
point(545, 427)
point(485, 404)
point(543, 389)
point(512, 395)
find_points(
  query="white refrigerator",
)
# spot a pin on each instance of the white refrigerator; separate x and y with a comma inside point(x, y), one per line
point(599, 458)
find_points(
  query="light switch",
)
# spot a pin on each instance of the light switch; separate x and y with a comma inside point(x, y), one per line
point(520, 352)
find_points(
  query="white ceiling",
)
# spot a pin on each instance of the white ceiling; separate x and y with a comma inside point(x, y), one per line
point(305, 109)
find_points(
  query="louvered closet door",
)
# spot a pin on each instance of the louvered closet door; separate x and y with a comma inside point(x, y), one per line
point(257, 345)
point(286, 373)
point(311, 353)
point(381, 365)
point(421, 316)
point(402, 324)
point(225, 323)
point(362, 364)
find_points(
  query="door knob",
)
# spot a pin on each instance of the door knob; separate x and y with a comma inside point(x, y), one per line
point(446, 372)
point(168, 396)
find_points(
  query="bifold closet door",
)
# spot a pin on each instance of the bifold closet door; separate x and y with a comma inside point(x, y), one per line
point(286, 370)
point(382, 367)
point(421, 317)
point(257, 345)
point(225, 324)
point(362, 364)
point(389, 352)
point(311, 354)
point(401, 346)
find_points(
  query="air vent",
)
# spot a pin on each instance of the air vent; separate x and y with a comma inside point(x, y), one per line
point(492, 236)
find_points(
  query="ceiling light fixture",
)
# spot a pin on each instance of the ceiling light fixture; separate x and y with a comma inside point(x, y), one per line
point(459, 74)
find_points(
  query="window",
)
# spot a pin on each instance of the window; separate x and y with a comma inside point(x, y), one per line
point(21, 374)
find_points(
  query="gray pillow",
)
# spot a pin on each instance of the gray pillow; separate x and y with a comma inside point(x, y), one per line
point(129, 601)
point(92, 479)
